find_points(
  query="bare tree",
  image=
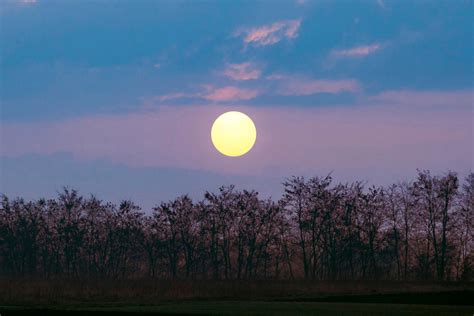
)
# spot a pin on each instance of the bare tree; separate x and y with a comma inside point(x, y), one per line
point(318, 230)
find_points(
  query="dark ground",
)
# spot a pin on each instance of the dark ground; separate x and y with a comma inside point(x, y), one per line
point(186, 297)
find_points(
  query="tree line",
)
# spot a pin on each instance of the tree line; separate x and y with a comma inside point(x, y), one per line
point(320, 230)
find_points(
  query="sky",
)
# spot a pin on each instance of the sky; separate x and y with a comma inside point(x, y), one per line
point(117, 98)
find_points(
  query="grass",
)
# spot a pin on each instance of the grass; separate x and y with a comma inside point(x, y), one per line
point(146, 291)
point(187, 297)
point(249, 308)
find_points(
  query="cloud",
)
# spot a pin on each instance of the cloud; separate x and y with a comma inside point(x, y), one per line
point(153, 101)
point(28, 2)
point(357, 51)
point(207, 92)
point(243, 71)
point(319, 86)
point(381, 4)
point(304, 86)
point(424, 98)
point(280, 85)
point(390, 135)
point(172, 96)
point(231, 93)
point(275, 77)
point(271, 33)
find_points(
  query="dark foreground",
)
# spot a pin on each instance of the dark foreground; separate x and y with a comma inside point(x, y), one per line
point(251, 308)
point(235, 298)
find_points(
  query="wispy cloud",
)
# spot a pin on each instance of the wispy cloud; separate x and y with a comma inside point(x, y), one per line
point(275, 77)
point(172, 96)
point(424, 98)
point(155, 100)
point(230, 93)
point(381, 4)
point(271, 33)
point(28, 2)
point(207, 92)
point(242, 71)
point(304, 86)
point(357, 51)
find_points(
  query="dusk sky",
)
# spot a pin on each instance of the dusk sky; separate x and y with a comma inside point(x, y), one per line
point(117, 98)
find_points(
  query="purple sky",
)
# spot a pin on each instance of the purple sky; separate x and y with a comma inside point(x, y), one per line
point(118, 100)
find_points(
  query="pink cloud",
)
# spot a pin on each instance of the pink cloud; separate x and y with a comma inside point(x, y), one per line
point(424, 98)
point(271, 33)
point(172, 96)
point(302, 86)
point(152, 101)
point(243, 71)
point(231, 94)
point(358, 51)
point(384, 136)
point(208, 92)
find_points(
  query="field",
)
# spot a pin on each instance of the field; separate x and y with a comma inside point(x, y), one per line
point(249, 308)
point(183, 297)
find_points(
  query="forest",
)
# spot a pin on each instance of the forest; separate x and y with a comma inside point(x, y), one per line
point(318, 230)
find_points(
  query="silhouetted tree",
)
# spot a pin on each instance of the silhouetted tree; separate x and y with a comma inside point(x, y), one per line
point(318, 230)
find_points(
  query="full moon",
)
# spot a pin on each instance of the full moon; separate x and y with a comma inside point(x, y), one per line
point(233, 134)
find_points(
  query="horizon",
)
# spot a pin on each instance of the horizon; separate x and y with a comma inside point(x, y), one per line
point(147, 206)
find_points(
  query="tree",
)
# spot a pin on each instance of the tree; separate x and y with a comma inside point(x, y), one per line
point(318, 230)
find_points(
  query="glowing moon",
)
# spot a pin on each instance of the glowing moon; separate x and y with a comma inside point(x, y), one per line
point(233, 134)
